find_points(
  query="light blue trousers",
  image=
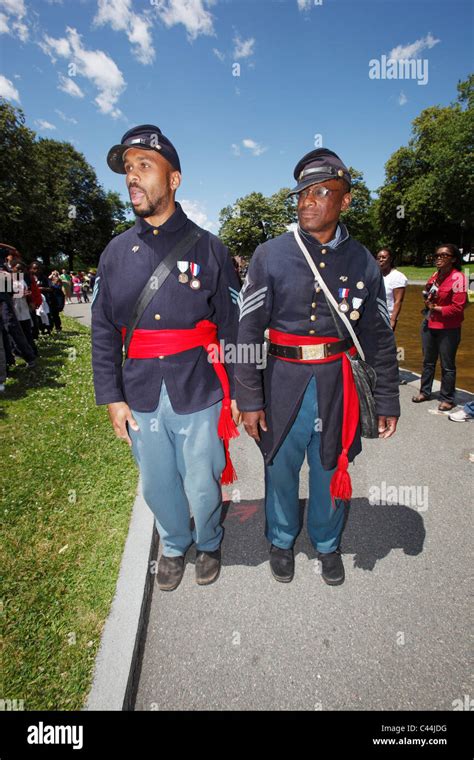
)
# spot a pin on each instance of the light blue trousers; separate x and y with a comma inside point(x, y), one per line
point(282, 477)
point(181, 458)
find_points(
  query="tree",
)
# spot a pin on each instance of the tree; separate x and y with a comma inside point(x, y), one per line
point(16, 181)
point(51, 204)
point(359, 217)
point(76, 216)
point(253, 219)
point(124, 224)
point(428, 195)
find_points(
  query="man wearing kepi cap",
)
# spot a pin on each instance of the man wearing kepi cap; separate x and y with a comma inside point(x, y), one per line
point(163, 308)
point(305, 402)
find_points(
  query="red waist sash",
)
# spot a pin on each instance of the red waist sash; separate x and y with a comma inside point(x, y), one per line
point(340, 486)
point(149, 344)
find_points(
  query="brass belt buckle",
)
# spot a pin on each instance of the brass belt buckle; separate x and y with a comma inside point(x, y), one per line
point(313, 352)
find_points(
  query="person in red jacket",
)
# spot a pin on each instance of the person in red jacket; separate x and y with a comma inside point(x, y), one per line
point(445, 300)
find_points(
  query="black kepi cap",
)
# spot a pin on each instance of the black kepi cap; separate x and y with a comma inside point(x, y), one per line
point(318, 166)
point(147, 137)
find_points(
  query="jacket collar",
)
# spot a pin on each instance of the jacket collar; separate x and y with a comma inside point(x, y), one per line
point(175, 222)
point(344, 236)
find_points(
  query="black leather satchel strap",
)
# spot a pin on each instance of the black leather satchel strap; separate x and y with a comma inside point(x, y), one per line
point(159, 276)
point(314, 352)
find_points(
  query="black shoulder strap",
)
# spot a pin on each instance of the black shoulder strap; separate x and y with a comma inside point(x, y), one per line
point(159, 276)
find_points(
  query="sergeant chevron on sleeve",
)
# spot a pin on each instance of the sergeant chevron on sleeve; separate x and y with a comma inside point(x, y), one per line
point(304, 401)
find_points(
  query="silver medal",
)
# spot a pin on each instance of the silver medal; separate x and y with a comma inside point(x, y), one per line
point(183, 266)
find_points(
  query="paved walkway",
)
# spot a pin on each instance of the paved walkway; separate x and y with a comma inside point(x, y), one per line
point(394, 636)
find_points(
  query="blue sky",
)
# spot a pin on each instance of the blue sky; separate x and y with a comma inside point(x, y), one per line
point(87, 70)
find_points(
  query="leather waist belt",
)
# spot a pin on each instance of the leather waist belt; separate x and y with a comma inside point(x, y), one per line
point(309, 352)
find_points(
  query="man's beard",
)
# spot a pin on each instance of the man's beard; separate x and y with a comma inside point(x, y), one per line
point(155, 205)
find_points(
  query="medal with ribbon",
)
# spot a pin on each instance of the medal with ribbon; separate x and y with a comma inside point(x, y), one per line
point(183, 266)
point(356, 304)
point(195, 269)
point(343, 293)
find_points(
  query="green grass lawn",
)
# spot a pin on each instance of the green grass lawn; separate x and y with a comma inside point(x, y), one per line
point(418, 273)
point(68, 487)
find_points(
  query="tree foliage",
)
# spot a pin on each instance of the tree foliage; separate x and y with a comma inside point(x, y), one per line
point(428, 195)
point(51, 203)
point(253, 219)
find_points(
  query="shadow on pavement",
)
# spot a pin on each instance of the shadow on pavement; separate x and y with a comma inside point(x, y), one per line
point(371, 532)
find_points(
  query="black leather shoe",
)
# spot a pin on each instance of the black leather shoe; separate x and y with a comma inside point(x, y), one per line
point(170, 572)
point(282, 564)
point(332, 569)
point(208, 567)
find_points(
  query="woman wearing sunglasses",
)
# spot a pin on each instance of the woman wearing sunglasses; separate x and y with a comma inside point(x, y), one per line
point(445, 299)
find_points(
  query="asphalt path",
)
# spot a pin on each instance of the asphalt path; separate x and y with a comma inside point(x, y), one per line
point(394, 636)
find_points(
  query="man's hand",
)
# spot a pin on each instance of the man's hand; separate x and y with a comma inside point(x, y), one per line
point(387, 426)
point(236, 415)
point(120, 414)
point(251, 422)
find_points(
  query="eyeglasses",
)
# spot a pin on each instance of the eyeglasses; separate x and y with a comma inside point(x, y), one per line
point(315, 192)
point(442, 256)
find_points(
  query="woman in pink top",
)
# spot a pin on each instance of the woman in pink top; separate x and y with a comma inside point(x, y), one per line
point(445, 300)
point(77, 287)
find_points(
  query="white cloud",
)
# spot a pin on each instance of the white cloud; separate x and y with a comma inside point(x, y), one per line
point(196, 211)
point(94, 65)
point(304, 5)
point(42, 124)
point(69, 119)
point(69, 86)
point(191, 13)
point(243, 48)
point(413, 50)
point(121, 17)
point(254, 147)
point(8, 90)
point(12, 19)
point(402, 99)
point(14, 7)
point(4, 28)
point(218, 53)
point(56, 47)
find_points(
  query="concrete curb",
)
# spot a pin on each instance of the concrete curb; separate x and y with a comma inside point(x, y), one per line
point(117, 663)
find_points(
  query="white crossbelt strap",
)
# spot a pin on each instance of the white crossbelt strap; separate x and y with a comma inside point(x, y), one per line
point(319, 280)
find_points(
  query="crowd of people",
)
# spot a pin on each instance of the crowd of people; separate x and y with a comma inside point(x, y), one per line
point(77, 285)
point(31, 302)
